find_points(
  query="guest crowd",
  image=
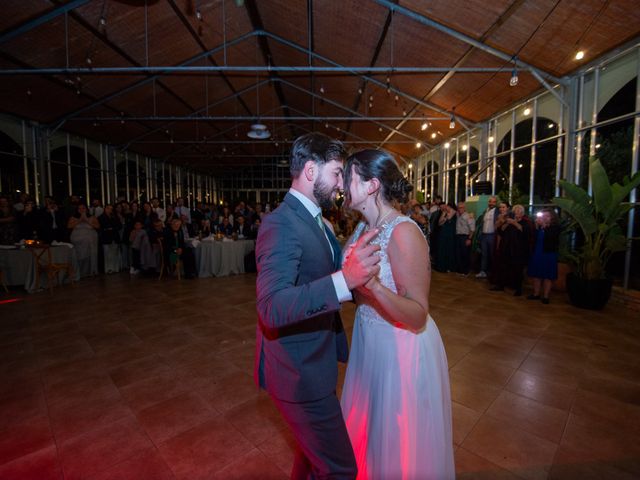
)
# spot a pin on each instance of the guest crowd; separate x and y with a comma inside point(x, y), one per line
point(503, 240)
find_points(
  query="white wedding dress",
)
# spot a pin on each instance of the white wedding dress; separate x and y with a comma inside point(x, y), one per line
point(396, 399)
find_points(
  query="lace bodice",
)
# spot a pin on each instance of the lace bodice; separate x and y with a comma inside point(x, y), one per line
point(365, 312)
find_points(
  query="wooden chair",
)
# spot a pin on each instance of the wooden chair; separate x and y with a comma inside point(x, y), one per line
point(44, 264)
point(167, 267)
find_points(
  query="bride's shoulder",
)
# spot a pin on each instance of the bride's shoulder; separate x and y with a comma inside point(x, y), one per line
point(406, 233)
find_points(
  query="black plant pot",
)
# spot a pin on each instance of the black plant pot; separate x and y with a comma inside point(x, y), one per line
point(591, 294)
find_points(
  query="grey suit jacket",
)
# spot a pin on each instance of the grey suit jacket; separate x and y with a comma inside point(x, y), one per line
point(299, 335)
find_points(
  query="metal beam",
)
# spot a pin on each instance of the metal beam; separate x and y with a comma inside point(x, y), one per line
point(346, 109)
point(465, 38)
point(372, 80)
point(59, 121)
point(255, 118)
point(44, 18)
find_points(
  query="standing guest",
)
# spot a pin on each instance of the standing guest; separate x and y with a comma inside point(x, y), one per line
point(18, 207)
point(465, 228)
point(446, 254)
point(170, 215)
point(110, 239)
point(504, 211)
point(255, 228)
point(8, 226)
point(96, 208)
point(157, 209)
point(176, 249)
point(84, 237)
point(52, 223)
point(543, 267)
point(205, 228)
point(181, 209)
point(486, 236)
point(148, 216)
point(28, 221)
point(434, 225)
point(513, 251)
point(422, 222)
point(141, 255)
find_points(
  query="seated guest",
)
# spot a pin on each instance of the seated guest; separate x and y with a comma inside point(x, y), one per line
point(187, 228)
point(241, 228)
point(170, 214)
point(225, 227)
point(110, 239)
point(255, 227)
point(8, 226)
point(205, 228)
point(84, 236)
point(175, 249)
point(142, 257)
point(53, 225)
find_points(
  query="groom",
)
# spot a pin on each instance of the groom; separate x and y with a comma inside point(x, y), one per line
point(299, 287)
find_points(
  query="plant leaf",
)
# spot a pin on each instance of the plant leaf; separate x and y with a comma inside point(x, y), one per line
point(575, 193)
point(581, 213)
point(602, 194)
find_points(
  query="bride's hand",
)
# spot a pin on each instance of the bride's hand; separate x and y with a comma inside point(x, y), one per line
point(367, 290)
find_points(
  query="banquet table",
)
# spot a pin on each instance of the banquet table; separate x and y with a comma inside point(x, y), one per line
point(218, 258)
point(18, 265)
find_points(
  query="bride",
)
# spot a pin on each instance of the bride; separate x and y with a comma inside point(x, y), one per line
point(396, 398)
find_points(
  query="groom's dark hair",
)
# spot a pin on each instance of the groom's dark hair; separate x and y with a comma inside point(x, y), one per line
point(317, 147)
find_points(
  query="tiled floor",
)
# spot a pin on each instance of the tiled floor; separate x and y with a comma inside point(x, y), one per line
point(119, 378)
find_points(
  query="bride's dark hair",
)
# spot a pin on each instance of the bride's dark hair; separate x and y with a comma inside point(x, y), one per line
point(381, 165)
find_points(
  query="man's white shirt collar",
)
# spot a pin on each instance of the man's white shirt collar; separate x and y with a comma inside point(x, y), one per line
point(313, 209)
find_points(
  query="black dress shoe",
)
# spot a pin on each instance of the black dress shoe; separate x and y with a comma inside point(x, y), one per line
point(533, 297)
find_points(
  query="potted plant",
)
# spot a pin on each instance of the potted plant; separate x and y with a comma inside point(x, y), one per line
point(597, 217)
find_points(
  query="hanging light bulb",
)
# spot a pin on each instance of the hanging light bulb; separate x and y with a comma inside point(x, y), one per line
point(370, 105)
point(580, 55)
point(371, 98)
point(404, 113)
point(424, 126)
point(360, 91)
point(199, 14)
point(452, 122)
point(513, 81)
point(447, 145)
point(527, 111)
point(322, 89)
point(490, 139)
point(433, 135)
point(326, 125)
point(103, 21)
point(88, 60)
point(418, 144)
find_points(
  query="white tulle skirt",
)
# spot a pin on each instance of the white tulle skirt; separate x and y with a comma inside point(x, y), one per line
point(397, 403)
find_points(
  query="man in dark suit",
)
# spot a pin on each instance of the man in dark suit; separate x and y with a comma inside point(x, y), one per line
point(300, 336)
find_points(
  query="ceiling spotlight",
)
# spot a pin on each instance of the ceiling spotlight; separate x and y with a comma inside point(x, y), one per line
point(447, 145)
point(424, 126)
point(404, 113)
point(258, 132)
point(418, 145)
point(410, 166)
point(527, 111)
point(580, 55)
point(199, 14)
point(396, 98)
point(464, 148)
point(513, 81)
point(370, 105)
point(379, 129)
point(433, 135)
point(490, 139)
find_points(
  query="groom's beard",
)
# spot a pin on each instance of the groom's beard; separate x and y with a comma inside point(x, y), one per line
point(324, 194)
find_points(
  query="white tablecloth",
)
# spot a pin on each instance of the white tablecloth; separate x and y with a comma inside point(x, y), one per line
point(218, 259)
point(19, 266)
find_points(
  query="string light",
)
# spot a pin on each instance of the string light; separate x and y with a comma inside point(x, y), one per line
point(579, 54)
point(433, 135)
point(199, 14)
point(418, 145)
point(424, 126)
point(447, 145)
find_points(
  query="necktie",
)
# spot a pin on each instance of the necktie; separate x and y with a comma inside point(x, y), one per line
point(322, 227)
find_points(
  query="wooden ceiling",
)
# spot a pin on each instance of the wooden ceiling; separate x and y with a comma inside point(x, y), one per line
point(351, 82)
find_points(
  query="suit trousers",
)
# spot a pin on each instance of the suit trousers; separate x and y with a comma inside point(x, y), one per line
point(487, 242)
point(324, 449)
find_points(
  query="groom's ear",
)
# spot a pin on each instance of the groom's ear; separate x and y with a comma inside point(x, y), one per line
point(310, 170)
